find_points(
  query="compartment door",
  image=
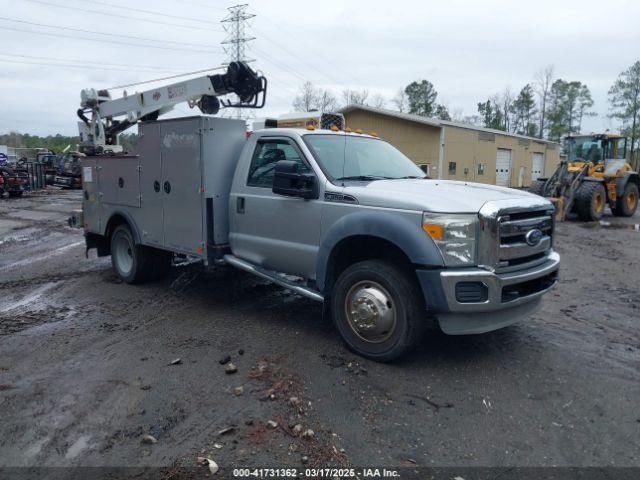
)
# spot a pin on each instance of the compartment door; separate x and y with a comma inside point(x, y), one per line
point(181, 187)
point(119, 181)
point(151, 220)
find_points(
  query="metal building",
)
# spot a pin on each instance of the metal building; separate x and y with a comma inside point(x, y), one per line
point(457, 151)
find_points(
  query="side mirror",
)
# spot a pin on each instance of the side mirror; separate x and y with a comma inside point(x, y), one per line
point(289, 182)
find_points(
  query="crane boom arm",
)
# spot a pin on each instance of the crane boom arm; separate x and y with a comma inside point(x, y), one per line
point(100, 132)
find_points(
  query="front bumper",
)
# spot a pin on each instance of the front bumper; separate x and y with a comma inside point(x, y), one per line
point(509, 296)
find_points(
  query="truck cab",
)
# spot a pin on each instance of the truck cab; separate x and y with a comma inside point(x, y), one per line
point(340, 217)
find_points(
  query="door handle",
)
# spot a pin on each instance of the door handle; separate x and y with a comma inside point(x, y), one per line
point(240, 205)
point(167, 187)
point(156, 186)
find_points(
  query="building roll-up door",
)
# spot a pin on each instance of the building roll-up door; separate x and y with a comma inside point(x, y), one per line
point(503, 167)
point(537, 166)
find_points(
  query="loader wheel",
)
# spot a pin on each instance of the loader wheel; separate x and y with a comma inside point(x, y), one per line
point(378, 310)
point(627, 203)
point(590, 201)
point(136, 263)
point(537, 187)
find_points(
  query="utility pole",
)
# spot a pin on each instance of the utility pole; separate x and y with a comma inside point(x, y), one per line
point(236, 25)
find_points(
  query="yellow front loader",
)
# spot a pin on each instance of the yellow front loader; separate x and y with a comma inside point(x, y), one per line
point(594, 175)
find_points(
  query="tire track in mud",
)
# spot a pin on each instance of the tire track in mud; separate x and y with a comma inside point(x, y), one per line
point(47, 278)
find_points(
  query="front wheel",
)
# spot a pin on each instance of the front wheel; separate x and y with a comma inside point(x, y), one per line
point(537, 187)
point(590, 200)
point(378, 310)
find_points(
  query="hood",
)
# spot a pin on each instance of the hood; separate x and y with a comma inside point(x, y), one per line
point(439, 196)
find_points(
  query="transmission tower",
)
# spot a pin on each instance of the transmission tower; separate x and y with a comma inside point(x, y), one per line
point(236, 25)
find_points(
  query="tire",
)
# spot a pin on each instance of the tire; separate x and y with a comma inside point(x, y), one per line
point(388, 292)
point(590, 201)
point(537, 187)
point(627, 203)
point(15, 194)
point(136, 263)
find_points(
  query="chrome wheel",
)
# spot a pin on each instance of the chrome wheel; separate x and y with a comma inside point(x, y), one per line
point(370, 311)
point(123, 254)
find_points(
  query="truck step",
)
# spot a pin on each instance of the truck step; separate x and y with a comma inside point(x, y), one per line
point(274, 277)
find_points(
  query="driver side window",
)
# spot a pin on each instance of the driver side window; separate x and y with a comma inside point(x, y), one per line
point(263, 163)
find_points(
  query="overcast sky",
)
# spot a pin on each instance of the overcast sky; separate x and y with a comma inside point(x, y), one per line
point(469, 50)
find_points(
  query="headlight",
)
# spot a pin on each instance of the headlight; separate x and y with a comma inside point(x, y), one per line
point(455, 236)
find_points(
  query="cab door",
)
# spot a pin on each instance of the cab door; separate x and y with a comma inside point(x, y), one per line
point(277, 232)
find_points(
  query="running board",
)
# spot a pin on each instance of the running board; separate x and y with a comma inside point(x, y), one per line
point(273, 277)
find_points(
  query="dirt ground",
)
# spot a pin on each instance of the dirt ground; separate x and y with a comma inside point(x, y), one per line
point(87, 366)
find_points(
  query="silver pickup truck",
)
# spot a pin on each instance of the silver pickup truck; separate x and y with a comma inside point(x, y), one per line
point(342, 218)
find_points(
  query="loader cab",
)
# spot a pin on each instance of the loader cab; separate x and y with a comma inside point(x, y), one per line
point(595, 148)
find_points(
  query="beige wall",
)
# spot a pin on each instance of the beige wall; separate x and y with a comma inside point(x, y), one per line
point(420, 143)
point(417, 141)
point(465, 147)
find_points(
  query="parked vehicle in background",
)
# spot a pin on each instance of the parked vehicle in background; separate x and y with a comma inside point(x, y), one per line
point(595, 174)
point(68, 171)
point(11, 182)
point(63, 170)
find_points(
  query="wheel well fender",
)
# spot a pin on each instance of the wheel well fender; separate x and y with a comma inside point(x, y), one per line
point(119, 218)
point(621, 183)
point(352, 230)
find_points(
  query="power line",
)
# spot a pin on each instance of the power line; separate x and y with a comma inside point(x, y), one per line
point(125, 65)
point(57, 27)
point(75, 66)
point(60, 35)
point(137, 19)
point(316, 52)
point(198, 4)
point(282, 67)
point(299, 59)
point(190, 19)
point(166, 78)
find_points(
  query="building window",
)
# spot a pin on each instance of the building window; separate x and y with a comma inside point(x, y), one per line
point(452, 168)
point(426, 168)
point(481, 169)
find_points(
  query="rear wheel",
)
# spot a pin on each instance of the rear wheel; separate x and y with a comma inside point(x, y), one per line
point(627, 203)
point(136, 263)
point(537, 187)
point(590, 201)
point(378, 310)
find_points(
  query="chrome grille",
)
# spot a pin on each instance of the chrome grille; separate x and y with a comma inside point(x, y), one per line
point(503, 229)
point(514, 252)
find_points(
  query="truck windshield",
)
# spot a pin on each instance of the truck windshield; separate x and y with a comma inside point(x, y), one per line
point(346, 157)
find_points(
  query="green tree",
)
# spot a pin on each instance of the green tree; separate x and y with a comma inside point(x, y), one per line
point(442, 112)
point(421, 97)
point(129, 142)
point(56, 142)
point(569, 103)
point(523, 111)
point(491, 115)
point(624, 98)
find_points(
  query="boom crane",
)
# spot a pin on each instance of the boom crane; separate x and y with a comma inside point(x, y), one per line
point(99, 133)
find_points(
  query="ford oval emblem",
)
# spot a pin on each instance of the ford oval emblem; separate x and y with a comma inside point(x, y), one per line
point(533, 237)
